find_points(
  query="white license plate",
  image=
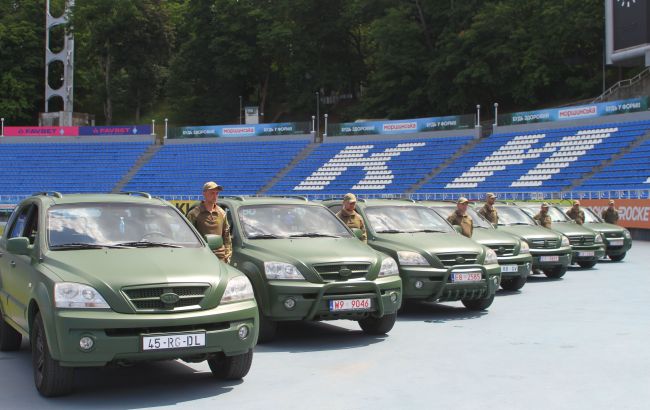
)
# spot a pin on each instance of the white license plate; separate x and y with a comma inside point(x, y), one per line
point(350, 304)
point(173, 341)
point(587, 253)
point(509, 268)
point(616, 242)
point(466, 276)
point(549, 258)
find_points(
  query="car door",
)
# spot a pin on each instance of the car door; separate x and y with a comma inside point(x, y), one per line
point(16, 270)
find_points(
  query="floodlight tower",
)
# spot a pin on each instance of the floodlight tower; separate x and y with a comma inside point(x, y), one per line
point(65, 56)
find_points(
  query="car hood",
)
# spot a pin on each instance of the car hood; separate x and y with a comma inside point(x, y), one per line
point(571, 229)
point(529, 232)
point(432, 243)
point(493, 237)
point(605, 228)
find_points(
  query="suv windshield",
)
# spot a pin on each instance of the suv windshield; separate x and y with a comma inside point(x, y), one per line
point(478, 220)
point(90, 225)
point(555, 214)
point(290, 221)
point(398, 219)
point(514, 216)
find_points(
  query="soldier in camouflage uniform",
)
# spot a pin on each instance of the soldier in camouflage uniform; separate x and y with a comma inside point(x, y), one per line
point(576, 213)
point(610, 215)
point(488, 211)
point(350, 217)
point(209, 218)
point(543, 217)
point(459, 217)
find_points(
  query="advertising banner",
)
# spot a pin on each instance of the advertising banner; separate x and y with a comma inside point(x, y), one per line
point(575, 113)
point(116, 130)
point(633, 213)
point(401, 126)
point(243, 130)
point(41, 131)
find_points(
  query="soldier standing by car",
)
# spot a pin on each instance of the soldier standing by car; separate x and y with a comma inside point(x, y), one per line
point(488, 211)
point(209, 218)
point(350, 217)
point(576, 213)
point(543, 217)
point(459, 217)
point(610, 215)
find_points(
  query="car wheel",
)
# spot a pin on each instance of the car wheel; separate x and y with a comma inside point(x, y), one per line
point(378, 325)
point(617, 258)
point(9, 338)
point(231, 367)
point(478, 304)
point(555, 273)
point(268, 329)
point(50, 378)
point(514, 283)
point(587, 264)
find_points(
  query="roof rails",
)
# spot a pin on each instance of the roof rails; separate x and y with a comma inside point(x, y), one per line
point(237, 197)
point(134, 193)
point(49, 193)
point(303, 198)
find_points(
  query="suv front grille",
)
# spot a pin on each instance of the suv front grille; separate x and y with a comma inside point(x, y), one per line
point(614, 235)
point(581, 240)
point(503, 250)
point(543, 244)
point(148, 298)
point(453, 259)
point(342, 271)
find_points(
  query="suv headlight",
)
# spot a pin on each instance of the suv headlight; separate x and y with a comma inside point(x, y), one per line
point(524, 247)
point(490, 257)
point(627, 235)
point(599, 238)
point(411, 258)
point(238, 288)
point(565, 241)
point(281, 270)
point(388, 267)
point(77, 296)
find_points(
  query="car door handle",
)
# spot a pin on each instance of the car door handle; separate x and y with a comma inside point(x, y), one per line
point(13, 264)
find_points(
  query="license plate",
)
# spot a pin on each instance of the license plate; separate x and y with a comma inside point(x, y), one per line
point(549, 258)
point(587, 253)
point(509, 268)
point(350, 304)
point(173, 341)
point(616, 242)
point(466, 276)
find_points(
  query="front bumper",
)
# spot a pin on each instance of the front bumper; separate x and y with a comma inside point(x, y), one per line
point(118, 336)
point(551, 258)
point(311, 300)
point(587, 253)
point(435, 284)
point(617, 249)
point(523, 262)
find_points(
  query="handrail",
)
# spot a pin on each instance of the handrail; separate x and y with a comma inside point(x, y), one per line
point(623, 83)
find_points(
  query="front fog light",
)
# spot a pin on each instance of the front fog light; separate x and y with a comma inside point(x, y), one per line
point(418, 284)
point(394, 297)
point(243, 332)
point(290, 303)
point(86, 343)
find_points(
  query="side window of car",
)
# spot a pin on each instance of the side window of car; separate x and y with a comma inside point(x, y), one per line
point(31, 225)
point(20, 222)
point(335, 208)
point(228, 212)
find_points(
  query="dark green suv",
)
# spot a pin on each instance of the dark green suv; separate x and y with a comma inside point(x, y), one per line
point(436, 262)
point(95, 279)
point(305, 264)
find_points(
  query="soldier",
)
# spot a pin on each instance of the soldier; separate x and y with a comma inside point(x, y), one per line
point(209, 218)
point(350, 217)
point(576, 213)
point(459, 217)
point(610, 215)
point(543, 217)
point(488, 211)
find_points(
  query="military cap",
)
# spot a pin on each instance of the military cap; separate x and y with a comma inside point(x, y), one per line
point(611, 202)
point(576, 202)
point(490, 195)
point(544, 204)
point(349, 197)
point(212, 185)
point(462, 200)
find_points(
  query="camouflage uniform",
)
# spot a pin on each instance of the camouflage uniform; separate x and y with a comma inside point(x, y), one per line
point(353, 220)
point(464, 221)
point(490, 213)
point(610, 215)
point(543, 219)
point(214, 223)
point(577, 215)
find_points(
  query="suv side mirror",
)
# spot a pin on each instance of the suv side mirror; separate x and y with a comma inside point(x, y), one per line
point(18, 246)
point(357, 232)
point(214, 241)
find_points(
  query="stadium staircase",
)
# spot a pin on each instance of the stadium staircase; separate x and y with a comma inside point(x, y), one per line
point(301, 155)
point(144, 158)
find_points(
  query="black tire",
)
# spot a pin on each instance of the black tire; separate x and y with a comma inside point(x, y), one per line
point(513, 284)
point(10, 339)
point(478, 304)
point(268, 329)
point(231, 367)
point(50, 378)
point(556, 273)
point(587, 264)
point(378, 325)
point(617, 258)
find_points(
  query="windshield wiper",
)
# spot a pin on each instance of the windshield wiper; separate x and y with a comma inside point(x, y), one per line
point(265, 236)
point(312, 235)
point(147, 244)
point(80, 245)
point(428, 231)
point(391, 231)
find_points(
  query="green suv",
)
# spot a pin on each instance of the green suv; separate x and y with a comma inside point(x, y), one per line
point(617, 239)
point(436, 263)
point(513, 254)
point(305, 264)
point(586, 245)
point(95, 279)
